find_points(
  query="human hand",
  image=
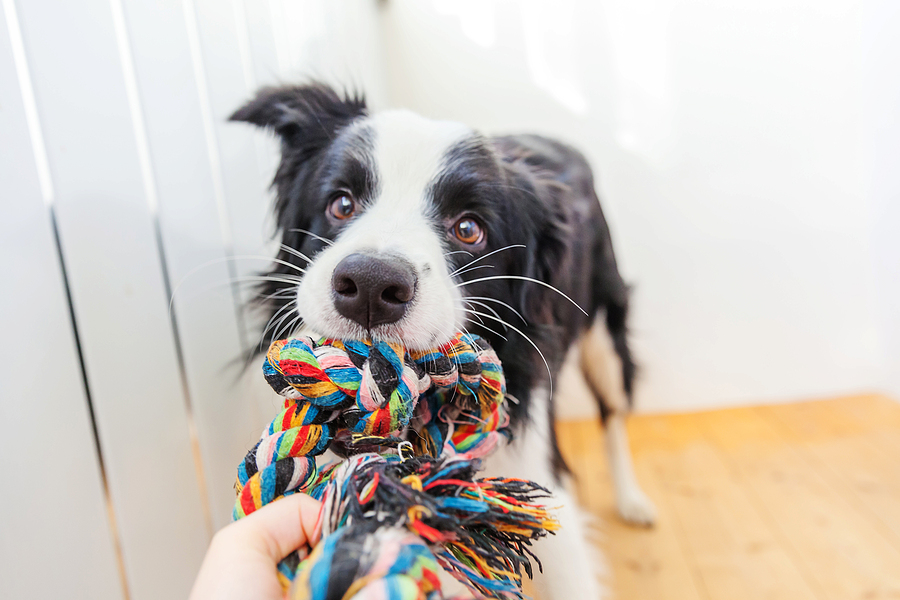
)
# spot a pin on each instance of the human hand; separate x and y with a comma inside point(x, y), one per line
point(242, 560)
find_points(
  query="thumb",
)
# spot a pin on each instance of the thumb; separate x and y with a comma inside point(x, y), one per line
point(279, 528)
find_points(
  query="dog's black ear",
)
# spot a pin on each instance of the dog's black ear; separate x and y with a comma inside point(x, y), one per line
point(306, 118)
point(305, 115)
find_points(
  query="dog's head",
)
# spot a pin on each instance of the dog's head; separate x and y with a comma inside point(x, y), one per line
point(388, 216)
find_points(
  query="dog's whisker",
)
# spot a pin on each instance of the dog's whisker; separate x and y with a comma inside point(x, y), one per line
point(291, 280)
point(277, 333)
point(528, 339)
point(458, 252)
point(483, 326)
point(523, 278)
point(282, 291)
point(480, 258)
point(481, 323)
point(278, 312)
point(288, 264)
point(469, 303)
point(502, 303)
point(263, 258)
point(310, 233)
point(482, 305)
point(262, 337)
point(223, 259)
point(282, 278)
point(468, 311)
point(282, 332)
point(464, 270)
point(274, 328)
point(289, 329)
point(296, 253)
point(279, 294)
point(296, 323)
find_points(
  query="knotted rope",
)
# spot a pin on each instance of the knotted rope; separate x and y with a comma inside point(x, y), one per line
point(353, 397)
point(479, 530)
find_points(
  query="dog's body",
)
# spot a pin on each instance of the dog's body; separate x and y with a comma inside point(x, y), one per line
point(410, 229)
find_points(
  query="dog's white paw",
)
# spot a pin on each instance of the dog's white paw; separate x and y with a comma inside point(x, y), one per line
point(636, 508)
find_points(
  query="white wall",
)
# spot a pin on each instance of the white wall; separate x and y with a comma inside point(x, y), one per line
point(729, 140)
point(881, 144)
point(127, 417)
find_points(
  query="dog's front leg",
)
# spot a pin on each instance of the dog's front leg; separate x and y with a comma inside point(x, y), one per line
point(571, 564)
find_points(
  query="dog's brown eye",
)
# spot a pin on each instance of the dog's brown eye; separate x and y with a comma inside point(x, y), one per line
point(342, 207)
point(468, 231)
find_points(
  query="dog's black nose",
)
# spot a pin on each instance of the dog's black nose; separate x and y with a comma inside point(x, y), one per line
point(373, 290)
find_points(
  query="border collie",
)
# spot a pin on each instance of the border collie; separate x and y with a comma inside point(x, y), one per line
point(410, 229)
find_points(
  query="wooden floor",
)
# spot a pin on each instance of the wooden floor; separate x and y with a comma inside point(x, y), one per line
point(794, 501)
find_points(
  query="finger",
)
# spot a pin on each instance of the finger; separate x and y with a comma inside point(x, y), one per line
point(281, 527)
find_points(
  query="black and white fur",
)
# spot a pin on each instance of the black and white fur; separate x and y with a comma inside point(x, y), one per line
point(412, 179)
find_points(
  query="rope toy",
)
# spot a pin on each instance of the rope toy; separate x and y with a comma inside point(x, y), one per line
point(392, 521)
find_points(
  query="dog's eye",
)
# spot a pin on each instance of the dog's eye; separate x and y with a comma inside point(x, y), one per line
point(342, 207)
point(468, 231)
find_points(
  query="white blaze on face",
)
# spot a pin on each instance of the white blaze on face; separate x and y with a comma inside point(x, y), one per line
point(399, 221)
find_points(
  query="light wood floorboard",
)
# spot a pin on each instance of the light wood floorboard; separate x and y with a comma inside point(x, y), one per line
point(795, 501)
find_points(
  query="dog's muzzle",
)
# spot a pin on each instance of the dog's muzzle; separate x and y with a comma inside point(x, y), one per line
point(373, 290)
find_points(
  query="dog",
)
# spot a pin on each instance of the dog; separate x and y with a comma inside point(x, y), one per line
point(408, 229)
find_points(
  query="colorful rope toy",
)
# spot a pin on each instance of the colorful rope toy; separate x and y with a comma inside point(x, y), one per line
point(392, 520)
